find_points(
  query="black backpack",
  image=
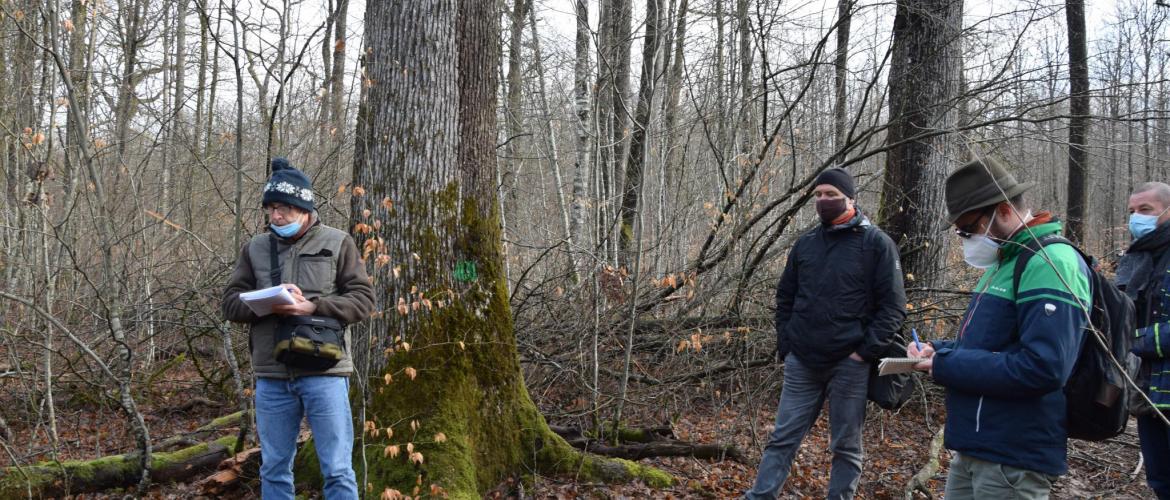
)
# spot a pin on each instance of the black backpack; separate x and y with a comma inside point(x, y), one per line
point(1097, 391)
point(889, 392)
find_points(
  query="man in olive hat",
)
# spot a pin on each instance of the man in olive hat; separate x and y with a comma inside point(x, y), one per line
point(839, 302)
point(1015, 346)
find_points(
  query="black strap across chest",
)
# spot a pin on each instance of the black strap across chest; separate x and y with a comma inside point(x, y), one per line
point(274, 260)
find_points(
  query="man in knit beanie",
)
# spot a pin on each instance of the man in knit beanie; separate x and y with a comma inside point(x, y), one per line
point(322, 269)
point(838, 305)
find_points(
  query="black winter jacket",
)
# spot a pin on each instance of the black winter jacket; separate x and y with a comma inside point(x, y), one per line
point(840, 293)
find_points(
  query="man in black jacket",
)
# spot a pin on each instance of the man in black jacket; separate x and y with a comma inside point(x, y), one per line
point(839, 302)
point(1144, 274)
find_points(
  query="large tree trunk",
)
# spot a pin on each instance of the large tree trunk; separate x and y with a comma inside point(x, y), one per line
point(924, 80)
point(635, 163)
point(444, 371)
point(1078, 123)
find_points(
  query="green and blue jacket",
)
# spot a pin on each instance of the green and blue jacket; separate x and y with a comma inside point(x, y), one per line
point(1012, 355)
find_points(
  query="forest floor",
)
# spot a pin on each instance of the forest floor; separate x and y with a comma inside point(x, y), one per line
point(896, 447)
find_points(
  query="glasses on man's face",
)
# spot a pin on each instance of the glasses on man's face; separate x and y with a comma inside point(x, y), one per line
point(967, 230)
point(283, 210)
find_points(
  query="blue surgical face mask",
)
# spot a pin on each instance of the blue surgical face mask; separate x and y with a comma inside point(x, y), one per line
point(288, 230)
point(1141, 224)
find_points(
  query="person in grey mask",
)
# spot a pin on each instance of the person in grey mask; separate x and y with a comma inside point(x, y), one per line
point(839, 302)
point(1013, 351)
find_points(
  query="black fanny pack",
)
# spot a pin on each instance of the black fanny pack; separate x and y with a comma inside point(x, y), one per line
point(312, 343)
point(309, 342)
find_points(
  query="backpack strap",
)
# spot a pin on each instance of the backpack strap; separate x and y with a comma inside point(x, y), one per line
point(274, 261)
point(868, 236)
point(1031, 247)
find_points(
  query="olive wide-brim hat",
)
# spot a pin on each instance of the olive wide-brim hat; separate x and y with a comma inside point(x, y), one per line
point(978, 184)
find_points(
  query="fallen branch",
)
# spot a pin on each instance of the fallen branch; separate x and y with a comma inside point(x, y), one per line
point(625, 434)
point(231, 472)
point(244, 465)
point(921, 480)
point(666, 449)
point(653, 442)
point(718, 368)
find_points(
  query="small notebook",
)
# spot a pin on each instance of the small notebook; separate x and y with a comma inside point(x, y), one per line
point(261, 301)
point(893, 366)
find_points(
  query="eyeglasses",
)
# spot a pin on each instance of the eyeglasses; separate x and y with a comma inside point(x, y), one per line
point(283, 210)
point(967, 230)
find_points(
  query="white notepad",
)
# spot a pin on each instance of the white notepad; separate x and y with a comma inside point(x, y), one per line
point(893, 366)
point(261, 301)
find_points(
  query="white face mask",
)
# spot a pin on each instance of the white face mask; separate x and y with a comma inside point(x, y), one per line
point(981, 251)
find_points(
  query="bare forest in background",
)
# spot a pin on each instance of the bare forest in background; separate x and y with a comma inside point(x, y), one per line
point(653, 164)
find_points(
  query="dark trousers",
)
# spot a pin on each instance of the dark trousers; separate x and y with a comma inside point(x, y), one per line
point(1155, 440)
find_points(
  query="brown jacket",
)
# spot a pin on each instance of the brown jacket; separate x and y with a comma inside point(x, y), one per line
point(325, 264)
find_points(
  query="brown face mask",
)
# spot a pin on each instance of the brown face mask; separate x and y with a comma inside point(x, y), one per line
point(830, 208)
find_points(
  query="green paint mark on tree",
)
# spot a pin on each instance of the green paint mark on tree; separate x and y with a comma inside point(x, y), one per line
point(465, 271)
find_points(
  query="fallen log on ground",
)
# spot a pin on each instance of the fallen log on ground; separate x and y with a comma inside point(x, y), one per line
point(625, 434)
point(639, 451)
point(647, 443)
point(58, 479)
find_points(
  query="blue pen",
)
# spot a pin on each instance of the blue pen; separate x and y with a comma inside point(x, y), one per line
point(917, 345)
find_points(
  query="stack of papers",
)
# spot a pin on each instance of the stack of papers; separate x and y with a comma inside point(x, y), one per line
point(261, 301)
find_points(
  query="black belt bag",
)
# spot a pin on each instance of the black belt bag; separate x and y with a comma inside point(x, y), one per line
point(309, 342)
point(313, 343)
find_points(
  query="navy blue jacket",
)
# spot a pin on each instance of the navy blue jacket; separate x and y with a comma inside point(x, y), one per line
point(1152, 303)
point(1005, 372)
point(840, 293)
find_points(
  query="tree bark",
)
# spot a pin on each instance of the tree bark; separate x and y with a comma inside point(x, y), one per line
point(445, 375)
point(581, 75)
point(923, 83)
point(337, 88)
point(635, 163)
point(1078, 123)
point(840, 106)
point(78, 70)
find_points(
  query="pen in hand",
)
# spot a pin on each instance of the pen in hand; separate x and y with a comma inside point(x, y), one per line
point(917, 344)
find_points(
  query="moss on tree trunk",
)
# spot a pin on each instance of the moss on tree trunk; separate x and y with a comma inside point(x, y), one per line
point(446, 406)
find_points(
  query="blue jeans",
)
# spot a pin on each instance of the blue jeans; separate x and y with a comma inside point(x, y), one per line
point(1155, 441)
point(280, 404)
point(803, 396)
